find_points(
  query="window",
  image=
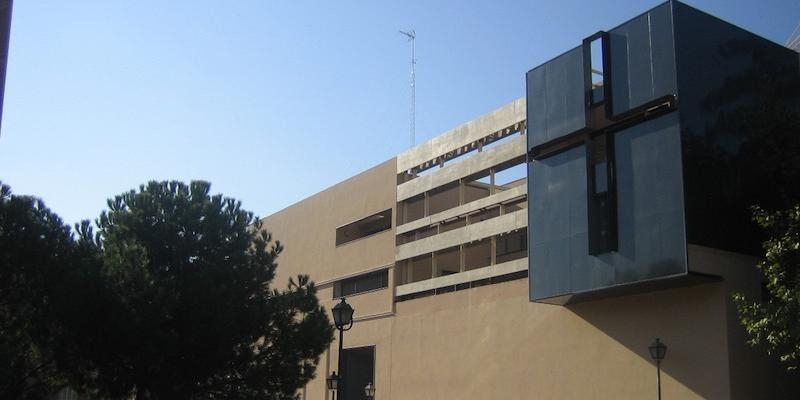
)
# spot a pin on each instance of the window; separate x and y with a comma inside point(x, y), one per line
point(595, 48)
point(602, 196)
point(361, 283)
point(371, 225)
point(443, 198)
point(513, 175)
point(512, 246)
point(359, 370)
point(412, 209)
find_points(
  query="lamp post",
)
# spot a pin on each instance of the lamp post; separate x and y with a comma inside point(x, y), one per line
point(657, 352)
point(369, 391)
point(343, 319)
point(333, 383)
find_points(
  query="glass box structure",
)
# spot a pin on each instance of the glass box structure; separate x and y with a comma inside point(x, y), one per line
point(656, 134)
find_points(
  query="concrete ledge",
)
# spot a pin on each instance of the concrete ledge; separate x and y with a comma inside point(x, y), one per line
point(470, 233)
point(463, 209)
point(463, 277)
point(452, 172)
point(478, 128)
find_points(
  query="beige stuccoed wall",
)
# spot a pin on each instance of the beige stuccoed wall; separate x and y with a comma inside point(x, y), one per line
point(491, 342)
point(753, 373)
point(307, 229)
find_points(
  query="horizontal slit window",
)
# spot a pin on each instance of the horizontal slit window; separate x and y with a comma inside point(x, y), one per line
point(361, 283)
point(364, 227)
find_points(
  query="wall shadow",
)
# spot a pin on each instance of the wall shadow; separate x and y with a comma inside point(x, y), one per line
point(706, 350)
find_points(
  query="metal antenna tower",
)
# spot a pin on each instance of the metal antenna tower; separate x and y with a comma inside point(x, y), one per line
point(794, 39)
point(411, 36)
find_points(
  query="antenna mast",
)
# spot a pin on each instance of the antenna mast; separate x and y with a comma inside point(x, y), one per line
point(794, 39)
point(411, 36)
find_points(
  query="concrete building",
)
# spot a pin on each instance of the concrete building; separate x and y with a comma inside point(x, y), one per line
point(627, 162)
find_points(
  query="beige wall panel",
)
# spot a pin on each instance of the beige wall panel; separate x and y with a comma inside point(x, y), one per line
point(308, 229)
point(490, 342)
point(753, 373)
point(376, 332)
point(367, 305)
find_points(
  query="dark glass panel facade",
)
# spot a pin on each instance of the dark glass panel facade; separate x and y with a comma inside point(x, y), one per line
point(740, 128)
point(642, 59)
point(557, 222)
point(650, 214)
point(699, 121)
point(555, 98)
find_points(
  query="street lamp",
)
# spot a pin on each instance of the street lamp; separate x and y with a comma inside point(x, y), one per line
point(369, 391)
point(333, 383)
point(657, 352)
point(343, 319)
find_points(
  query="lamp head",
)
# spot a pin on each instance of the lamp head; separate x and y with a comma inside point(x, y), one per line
point(369, 391)
point(333, 381)
point(658, 350)
point(343, 315)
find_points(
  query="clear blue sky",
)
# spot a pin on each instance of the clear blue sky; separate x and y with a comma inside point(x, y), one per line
point(271, 101)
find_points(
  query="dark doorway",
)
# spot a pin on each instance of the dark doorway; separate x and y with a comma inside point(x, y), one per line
point(359, 367)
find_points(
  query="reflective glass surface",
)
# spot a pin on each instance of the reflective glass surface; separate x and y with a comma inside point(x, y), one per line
point(740, 128)
point(556, 98)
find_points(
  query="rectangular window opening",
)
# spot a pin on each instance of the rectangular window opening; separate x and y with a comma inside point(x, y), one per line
point(364, 227)
point(483, 215)
point(427, 232)
point(407, 237)
point(412, 208)
point(420, 268)
point(362, 283)
point(515, 205)
point(456, 223)
point(401, 272)
point(597, 72)
point(447, 261)
point(478, 254)
point(602, 195)
point(512, 246)
point(477, 187)
point(514, 175)
point(443, 198)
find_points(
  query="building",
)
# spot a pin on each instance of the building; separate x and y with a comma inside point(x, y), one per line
point(632, 160)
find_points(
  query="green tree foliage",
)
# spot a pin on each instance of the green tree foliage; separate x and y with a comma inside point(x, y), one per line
point(187, 308)
point(35, 250)
point(776, 322)
point(170, 299)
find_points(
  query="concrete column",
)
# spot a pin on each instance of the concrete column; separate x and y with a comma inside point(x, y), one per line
point(461, 192)
point(491, 182)
point(493, 251)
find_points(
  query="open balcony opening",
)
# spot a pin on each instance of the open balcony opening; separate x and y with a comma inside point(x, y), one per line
point(364, 227)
